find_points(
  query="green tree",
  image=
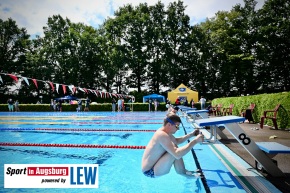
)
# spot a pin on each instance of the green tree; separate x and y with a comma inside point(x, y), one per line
point(14, 43)
point(273, 46)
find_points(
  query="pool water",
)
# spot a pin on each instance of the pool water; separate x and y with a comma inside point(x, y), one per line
point(119, 168)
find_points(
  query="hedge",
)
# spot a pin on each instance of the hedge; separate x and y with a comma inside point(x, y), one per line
point(263, 102)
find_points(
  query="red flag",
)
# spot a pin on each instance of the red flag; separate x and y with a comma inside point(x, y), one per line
point(85, 90)
point(64, 89)
point(13, 77)
point(34, 80)
point(52, 87)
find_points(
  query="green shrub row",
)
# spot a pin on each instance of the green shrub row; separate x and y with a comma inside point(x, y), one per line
point(263, 102)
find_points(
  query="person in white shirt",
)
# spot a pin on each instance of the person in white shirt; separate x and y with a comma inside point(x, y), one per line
point(202, 102)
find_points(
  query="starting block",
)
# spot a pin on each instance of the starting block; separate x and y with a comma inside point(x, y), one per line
point(231, 124)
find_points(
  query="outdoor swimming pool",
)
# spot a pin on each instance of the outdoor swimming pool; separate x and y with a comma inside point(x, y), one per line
point(120, 138)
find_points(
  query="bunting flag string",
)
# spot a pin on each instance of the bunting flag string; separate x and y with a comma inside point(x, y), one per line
point(72, 88)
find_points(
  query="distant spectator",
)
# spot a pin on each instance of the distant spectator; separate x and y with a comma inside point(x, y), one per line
point(87, 104)
point(185, 103)
point(60, 105)
point(150, 104)
point(155, 104)
point(119, 105)
point(202, 102)
point(17, 106)
point(113, 105)
point(10, 105)
point(192, 103)
point(51, 105)
point(54, 105)
point(80, 104)
point(177, 101)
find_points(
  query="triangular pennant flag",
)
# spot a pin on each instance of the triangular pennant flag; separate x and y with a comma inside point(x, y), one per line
point(64, 89)
point(97, 92)
point(1, 79)
point(71, 88)
point(34, 80)
point(81, 89)
point(57, 85)
point(85, 90)
point(51, 85)
point(26, 80)
point(74, 89)
point(13, 77)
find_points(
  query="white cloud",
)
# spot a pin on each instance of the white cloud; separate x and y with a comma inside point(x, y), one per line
point(33, 14)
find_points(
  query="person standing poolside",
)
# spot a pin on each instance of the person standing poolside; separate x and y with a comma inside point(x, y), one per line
point(150, 104)
point(162, 151)
point(51, 105)
point(17, 106)
point(119, 105)
point(54, 105)
point(80, 105)
point(10, 105)
point(113, 105)
point(202, 102)
point(155, 104)
point(87, 104)
point(173, 111)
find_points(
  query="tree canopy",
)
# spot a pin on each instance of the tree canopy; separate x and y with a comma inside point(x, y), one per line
point(149, 48)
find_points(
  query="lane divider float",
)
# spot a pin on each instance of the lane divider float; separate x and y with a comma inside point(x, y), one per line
point(71, 129)
point(74, 145)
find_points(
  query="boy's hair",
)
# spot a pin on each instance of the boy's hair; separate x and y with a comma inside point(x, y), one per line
point(172, 117)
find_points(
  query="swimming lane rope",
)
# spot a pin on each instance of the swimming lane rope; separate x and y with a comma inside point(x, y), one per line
point(73, 145)
point(71, 129)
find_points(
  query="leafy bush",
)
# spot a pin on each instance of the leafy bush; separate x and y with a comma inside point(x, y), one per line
point(263, 102)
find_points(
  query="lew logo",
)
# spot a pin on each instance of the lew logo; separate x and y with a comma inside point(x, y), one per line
point(83, 175)
point(182, 89)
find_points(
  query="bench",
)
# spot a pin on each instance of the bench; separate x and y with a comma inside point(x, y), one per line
point(270, 114)
point(247, 112)
point(217, 110)
point(228, 110)
point(231, 125)
point(271, 149)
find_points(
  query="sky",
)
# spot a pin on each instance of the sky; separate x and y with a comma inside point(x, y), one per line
point(33, 14)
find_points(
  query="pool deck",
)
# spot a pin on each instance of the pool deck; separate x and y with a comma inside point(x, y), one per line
point(242, 164)
point(263, 135)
